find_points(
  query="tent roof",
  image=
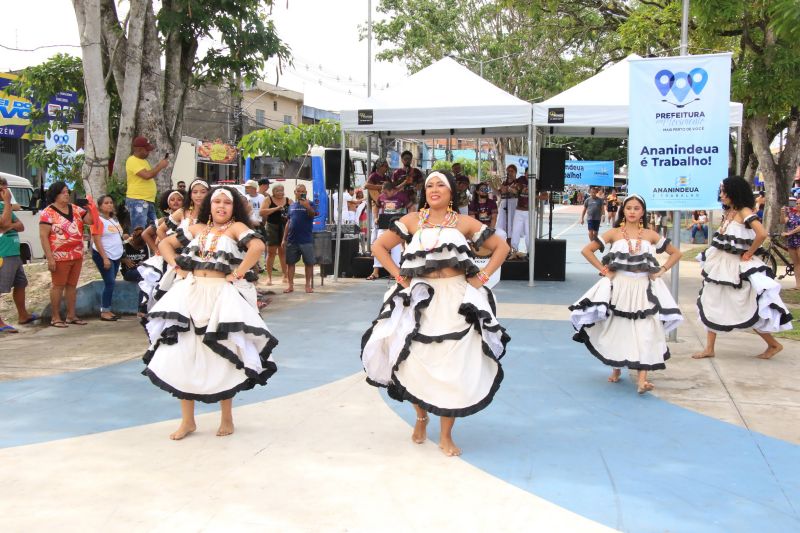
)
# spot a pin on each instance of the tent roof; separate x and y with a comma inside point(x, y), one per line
point(600, 103)
point(441, 97)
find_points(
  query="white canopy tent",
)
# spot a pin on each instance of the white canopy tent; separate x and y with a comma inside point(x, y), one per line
point(598, 106)
point(442, 100)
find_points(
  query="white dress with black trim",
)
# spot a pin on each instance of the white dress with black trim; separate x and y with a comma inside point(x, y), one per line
point(738, 294)
point(437, 343)
point(623, 319)
point(157, 275)
point(207, 339)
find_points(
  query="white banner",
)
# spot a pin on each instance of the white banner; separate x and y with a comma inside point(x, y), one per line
point(679, 122)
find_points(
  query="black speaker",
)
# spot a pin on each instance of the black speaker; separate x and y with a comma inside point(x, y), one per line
point(550, 262)
point(552, 168)
point(349, 252)
point(514, 270)
point(333, 162)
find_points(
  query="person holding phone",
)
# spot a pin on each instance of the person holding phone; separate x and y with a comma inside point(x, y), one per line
point(297, 238)
point(140, 196)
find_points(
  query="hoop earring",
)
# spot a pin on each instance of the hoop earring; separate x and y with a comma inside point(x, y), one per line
point(622, 224)
point(450, 207)
point(640, 224)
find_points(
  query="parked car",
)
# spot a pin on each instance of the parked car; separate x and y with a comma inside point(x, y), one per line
point(24, 197)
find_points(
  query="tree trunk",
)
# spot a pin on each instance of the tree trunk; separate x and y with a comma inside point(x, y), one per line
point(95, 167)
point(776, 192)
point(129, 91)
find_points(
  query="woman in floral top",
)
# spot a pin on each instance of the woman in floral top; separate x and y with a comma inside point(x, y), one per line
point(791, 217)
point(61, 232)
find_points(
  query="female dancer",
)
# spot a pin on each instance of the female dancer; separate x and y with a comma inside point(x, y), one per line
point(153, 269)
point(186, 216)
point(275, 210)
point(207, 342)
point(436, 341)
point(738, 291)
point(623, 318)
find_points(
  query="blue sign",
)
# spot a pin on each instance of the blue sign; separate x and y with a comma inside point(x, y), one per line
point(600, 173)
point(15, 112)
point(679, 121)
point(519, 161)
point(319, 193)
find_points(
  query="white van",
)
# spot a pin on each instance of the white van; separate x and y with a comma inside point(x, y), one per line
point(30, 245)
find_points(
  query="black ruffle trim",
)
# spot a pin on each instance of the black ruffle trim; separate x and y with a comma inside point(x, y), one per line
point(583, 337)
point(432, 265)
point(473, 316)
point(479, 238)
point(188, 263)
point(182, 237)
point(249, 236)
point(724, 237)
point(642, 262)
point(219, 254)
point(171, 224)
point(449, 246)
point(742, 276)
point(247, 384)
point(631, 315)
point(750, 219)
point(663, 248)
point(396, 229)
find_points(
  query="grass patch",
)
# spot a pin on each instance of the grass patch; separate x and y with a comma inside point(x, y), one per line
point(691, 253)
point(790, 298)
point(793, 334)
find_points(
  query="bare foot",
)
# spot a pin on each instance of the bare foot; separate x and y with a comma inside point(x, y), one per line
point(183, 430)
point(770, 352)
point(309, 289)
point(288, 290)
point(225, 428)
point(285, 280)
point(703, 355)
point(449, 447)
point(420, 430)
point(614, 377)
point(269, 281)
point(645, 387)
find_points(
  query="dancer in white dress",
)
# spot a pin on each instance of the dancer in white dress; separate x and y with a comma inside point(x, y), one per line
point(436, 341)
point(738, 290)
point(624, 317)
point(207, 339)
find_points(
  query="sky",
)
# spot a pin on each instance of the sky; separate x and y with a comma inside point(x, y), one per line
point(330, 63)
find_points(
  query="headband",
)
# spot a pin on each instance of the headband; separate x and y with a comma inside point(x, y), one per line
point(219, 191)
point(179, 193)
point(198, 182)
point(637, 197)
point(440, 176)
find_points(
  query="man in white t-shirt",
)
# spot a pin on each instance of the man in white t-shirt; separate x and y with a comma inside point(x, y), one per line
point(256, 199)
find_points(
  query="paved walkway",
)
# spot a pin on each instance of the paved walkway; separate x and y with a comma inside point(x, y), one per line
point(85, 446)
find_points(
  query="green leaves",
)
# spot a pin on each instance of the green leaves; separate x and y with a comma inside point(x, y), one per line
point(62, 163)
point(289, 142)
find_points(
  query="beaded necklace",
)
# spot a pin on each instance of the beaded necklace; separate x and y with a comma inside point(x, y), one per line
point(729, 216)
point(450, 221)
point(208, 253)
point(633, 249)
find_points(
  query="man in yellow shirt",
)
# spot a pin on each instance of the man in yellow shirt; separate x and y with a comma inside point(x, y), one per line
point(140, 197)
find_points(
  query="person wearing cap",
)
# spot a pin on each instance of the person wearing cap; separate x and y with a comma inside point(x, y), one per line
point(140, 196)
point(256, 199)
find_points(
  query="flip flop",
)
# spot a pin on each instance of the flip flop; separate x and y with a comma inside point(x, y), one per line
point(112, 319)
point(77, 322)
point(59, 324)
point(372, 277)
point(8, 329)
point(33, 318)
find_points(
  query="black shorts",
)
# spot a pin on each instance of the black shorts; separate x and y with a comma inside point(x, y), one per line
point(593, 225)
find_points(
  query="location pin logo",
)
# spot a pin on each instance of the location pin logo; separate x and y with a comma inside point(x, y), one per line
point(682, 86)
point(664, 80)
point(698, 78)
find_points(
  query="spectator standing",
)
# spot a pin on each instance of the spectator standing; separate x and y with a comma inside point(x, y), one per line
point(61, 232)
point(12, 274)
point(592, 212)
point(374, 188)
point(462, 196)
point(135, 252)
point(107, 250)
point(612, 206)
point(521, 225)
point(181, 186)
point(297, 238)
point(791, 217)
point(408, 178)
point(484, 209)
point(141, 193)
point(276, 213)
point(761, 201)
point(508, 201)
point(392, 205)
point(263, 187)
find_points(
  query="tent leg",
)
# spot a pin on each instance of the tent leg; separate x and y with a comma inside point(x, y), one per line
point(532, 215)
point(338, 221)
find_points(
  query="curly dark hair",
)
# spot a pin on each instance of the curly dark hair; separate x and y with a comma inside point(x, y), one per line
point(54, 190)
point(738, 192)
point(423, 200)
point(239, 208)
point(163, 200)
point(621, 212)
point(187, 197)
